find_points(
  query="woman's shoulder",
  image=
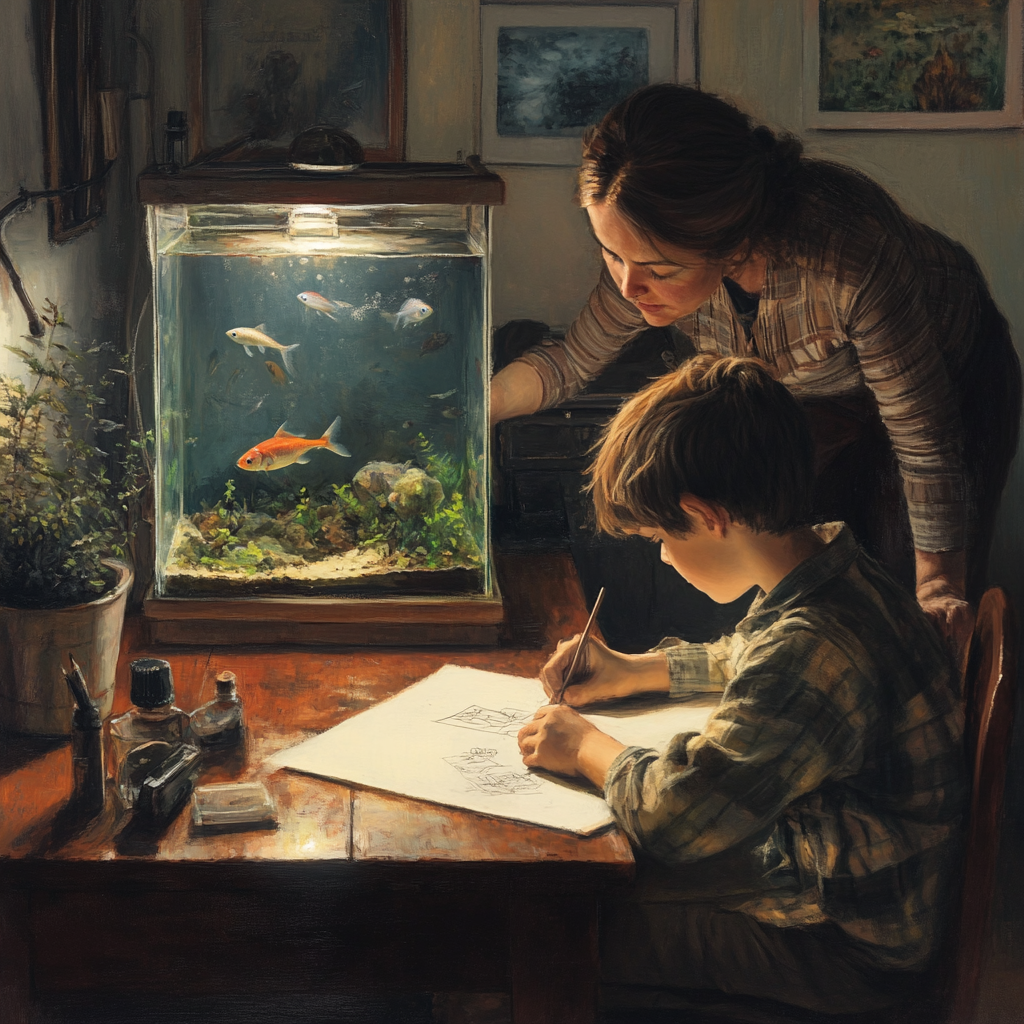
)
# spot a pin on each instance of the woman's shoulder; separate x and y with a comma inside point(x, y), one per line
point(843, 222)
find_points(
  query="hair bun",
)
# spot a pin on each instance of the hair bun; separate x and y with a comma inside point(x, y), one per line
point(781, 153)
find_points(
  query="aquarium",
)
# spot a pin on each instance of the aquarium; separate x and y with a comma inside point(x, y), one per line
point(321, 410)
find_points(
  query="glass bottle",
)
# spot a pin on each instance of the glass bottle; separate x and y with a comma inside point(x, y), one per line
point(219, 723)
point(153, 728)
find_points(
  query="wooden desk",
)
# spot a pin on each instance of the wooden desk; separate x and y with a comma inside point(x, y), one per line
point(355, 890)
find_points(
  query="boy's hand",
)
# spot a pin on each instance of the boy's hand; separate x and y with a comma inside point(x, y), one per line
point(602, 674)
point(562, 740)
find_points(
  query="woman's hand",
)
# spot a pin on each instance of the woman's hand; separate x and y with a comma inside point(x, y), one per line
point(603, 674)
point(940, 592)
point(561, 740)
point(951, 615)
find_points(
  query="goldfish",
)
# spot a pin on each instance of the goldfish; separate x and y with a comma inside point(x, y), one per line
point(276, 372)
point(284, 448)
point(253, 337)
point(412, 312)
point(322, 305)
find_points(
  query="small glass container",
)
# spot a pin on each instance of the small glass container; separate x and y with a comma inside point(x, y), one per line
point(148, 732)
point(219, 723)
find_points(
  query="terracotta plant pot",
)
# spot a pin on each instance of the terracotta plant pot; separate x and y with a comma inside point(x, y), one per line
point(34, 647)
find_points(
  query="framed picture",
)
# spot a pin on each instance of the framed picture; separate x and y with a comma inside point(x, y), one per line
point(550, 71)
point(913, 64)
point(262, 71)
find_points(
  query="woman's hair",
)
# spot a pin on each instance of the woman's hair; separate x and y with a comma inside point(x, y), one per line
point(719, 428)
point(687, 168)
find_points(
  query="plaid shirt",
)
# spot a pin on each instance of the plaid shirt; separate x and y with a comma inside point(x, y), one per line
point(840, 725)
point(855, 309)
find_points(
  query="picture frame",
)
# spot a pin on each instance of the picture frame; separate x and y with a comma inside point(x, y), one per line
point(902, 65)
point(301, 63)
point(549, 70)
point(74, 112)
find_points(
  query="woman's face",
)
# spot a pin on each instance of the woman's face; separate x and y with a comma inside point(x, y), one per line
point(664, 283)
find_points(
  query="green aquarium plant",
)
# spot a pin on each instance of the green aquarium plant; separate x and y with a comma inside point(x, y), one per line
point(68, 476)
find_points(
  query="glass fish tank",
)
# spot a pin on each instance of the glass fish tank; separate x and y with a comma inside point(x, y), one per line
point(321, 399)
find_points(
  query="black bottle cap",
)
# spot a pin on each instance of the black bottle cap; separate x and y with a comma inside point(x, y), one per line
point(152, 684)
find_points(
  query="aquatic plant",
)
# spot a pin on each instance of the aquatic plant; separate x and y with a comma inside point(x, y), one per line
point(64, 500)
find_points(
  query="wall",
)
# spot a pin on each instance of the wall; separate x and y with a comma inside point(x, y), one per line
point(85, 276)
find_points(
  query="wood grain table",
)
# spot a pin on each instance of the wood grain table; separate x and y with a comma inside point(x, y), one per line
point(353, 891)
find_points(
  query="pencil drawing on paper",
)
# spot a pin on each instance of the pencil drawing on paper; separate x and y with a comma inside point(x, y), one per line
point(478, 767)
point(506, 722)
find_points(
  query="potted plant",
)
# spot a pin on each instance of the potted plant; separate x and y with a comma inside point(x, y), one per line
point(68, 478)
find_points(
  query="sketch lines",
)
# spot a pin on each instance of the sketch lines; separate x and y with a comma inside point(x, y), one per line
point(506, 722)
point(478, 767)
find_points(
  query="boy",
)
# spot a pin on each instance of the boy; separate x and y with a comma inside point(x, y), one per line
point(800, 848)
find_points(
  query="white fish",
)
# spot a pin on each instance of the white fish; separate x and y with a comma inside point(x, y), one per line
point(412, 312)
point(322, 304)
point(254, 337)
point(446, 394)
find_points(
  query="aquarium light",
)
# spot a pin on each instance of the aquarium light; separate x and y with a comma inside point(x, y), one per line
point(313, 220)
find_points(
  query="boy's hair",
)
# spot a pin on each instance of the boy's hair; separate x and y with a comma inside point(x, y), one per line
point(720, 429)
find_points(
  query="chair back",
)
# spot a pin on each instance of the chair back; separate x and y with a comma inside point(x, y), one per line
point(989, 692)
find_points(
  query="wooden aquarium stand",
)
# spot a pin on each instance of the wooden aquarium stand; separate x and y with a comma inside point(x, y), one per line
point(402, 621)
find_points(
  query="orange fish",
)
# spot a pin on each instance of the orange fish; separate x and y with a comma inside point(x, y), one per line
point(283, 449)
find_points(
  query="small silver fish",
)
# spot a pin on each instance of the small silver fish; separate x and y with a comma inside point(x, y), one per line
point(254, 337)
point(258, 404)
point(452, 412)
point(411, 312)
point(321, 304)
point(445, 394)
point(106, 426)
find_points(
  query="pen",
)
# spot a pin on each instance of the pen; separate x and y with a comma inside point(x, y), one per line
point(579, 646)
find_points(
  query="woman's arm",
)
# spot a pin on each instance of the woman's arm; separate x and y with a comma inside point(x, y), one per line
point(516, 390)
point(556, 370)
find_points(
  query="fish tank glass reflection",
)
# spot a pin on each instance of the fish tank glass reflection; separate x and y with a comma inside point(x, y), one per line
point(321, 411)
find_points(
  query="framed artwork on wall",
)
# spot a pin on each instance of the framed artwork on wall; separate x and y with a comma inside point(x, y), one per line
point(549, 71)
point(262, 71)
point(901, 64)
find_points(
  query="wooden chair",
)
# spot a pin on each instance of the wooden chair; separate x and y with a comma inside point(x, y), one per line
point(990, 692)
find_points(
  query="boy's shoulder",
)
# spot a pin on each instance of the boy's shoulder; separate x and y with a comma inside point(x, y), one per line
point(842, 606)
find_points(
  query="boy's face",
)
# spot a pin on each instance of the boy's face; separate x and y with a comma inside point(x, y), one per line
point(664, 283)
point(708, 558)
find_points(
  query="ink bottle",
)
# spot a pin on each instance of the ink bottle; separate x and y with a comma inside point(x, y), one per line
point(220, 722)
point(147, 733)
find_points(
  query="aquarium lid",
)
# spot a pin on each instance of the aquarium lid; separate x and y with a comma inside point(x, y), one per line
point(368, 185)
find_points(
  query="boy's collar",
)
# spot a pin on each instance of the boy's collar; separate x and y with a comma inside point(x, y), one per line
point(837, 556)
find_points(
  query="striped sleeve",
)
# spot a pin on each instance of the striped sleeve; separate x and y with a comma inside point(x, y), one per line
point(595, 338)
point(900, 356)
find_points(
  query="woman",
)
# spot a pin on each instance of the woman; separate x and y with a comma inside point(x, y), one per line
point(882, 327)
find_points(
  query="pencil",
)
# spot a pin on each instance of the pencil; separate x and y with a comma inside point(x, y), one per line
point(579, 647)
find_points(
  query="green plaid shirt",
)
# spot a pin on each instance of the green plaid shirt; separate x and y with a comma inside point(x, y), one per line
point(840, 724)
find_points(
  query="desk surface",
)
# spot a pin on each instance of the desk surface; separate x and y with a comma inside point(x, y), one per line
point(354, 891)
point(290, 695)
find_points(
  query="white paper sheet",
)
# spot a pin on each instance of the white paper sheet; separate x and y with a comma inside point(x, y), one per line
point(451, 739)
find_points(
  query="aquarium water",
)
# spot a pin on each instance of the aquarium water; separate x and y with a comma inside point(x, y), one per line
point(321, 401)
